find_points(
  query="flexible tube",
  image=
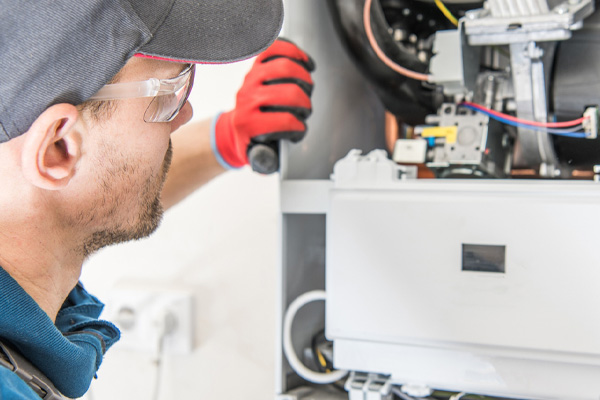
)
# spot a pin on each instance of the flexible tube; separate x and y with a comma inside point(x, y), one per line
point(288, 348)
point(382, 56)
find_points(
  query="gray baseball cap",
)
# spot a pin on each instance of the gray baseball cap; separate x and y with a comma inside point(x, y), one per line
point(64, 51)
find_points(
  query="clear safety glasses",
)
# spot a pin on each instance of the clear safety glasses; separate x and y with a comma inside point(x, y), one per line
point(169, 95)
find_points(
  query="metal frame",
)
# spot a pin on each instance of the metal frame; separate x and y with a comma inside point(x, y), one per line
point(346, 114)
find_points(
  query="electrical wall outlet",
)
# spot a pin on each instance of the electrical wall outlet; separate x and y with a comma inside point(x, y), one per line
point(144, 316)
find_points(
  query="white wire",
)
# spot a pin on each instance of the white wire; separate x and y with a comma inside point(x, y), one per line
point(288, 348)
point(159, 366)
point(167, 323)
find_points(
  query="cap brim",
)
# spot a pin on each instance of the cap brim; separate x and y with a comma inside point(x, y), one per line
point(217, 31)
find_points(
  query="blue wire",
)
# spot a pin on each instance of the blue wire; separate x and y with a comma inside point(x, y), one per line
point(561, 132)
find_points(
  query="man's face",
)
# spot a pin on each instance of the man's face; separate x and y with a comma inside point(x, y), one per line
point(128, 159)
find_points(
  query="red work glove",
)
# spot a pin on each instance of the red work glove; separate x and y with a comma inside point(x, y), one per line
point(272, 104)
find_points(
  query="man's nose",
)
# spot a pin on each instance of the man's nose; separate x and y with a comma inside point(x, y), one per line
point(184, 116)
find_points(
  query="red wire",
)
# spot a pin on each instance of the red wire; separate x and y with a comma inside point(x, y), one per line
point(564, 124)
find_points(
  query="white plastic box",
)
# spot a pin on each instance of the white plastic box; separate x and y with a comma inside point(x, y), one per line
point(488, 287)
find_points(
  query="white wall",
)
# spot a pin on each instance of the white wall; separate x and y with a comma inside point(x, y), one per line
point(220, 243)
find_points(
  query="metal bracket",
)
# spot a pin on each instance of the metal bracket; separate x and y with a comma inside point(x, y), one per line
point(530, 96)
point(362, 386)
point(521, 21)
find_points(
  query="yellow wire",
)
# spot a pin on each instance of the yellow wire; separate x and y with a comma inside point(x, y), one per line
point(446, 12)
point(321, 358)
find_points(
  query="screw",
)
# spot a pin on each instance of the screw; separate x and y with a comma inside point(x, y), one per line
point(561, 9)
point(472, 15)
point(534, 52)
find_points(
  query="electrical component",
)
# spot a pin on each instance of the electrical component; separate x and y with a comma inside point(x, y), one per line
point(368, 386)
point(465, 145)
point(145, 316)
point(376, 168)
point(447, 132)
point(410, 151)
point(590, 123)
point(454, 64)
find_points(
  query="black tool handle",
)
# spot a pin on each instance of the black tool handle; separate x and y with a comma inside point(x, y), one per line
point(264, 157)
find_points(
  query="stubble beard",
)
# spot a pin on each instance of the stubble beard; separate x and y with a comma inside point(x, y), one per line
point(147, 221)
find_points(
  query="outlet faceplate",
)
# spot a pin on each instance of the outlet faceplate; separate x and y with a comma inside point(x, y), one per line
point(141, 315)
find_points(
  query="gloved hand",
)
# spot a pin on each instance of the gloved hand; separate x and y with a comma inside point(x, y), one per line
point(272, 104)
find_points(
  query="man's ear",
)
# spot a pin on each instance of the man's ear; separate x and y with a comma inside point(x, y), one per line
point(51, 148)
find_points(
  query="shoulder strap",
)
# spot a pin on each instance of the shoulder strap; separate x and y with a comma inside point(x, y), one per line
point(33, 377)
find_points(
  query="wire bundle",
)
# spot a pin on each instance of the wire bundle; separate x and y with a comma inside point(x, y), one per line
point(573, 128)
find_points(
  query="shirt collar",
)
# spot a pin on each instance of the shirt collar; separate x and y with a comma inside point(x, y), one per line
point(68, 352)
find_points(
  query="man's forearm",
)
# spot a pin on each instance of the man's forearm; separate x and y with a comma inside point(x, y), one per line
point(193, 165)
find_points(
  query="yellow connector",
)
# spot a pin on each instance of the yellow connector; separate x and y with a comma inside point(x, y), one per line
point(448, 132)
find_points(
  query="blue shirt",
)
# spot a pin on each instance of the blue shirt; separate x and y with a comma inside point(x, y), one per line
point(68, 351)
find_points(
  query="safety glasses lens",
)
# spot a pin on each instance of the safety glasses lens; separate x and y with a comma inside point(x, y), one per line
point(164, 108)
